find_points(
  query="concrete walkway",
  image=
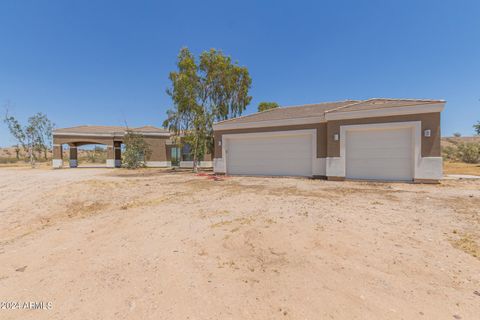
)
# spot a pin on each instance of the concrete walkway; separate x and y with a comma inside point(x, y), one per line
point(461, 176)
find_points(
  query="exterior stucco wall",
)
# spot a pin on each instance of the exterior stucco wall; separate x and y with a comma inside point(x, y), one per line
point(168, 151)
point(207, 157)
point(110, 152)
point(57, 152)
point(430, 145)
point(320, 127)
point(158, 147)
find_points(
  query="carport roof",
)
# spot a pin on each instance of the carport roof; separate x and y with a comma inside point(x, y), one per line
point(319, 110)
point(109, 130)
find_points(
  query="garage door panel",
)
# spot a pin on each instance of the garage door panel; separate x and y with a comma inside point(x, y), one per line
point(270, 155)
point(377, 138)
point(379, 154)
point(393, 168)
point(386, 154)
point(380, 163)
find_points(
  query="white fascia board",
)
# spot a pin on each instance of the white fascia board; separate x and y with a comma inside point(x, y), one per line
point(394, 111)
point(267, 123)
point(313, 132)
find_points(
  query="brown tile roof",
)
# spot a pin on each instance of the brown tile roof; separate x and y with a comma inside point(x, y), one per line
point(107, 130)
point(147, 129)
point(384, 103)
point(291, 112)
point(319, 109)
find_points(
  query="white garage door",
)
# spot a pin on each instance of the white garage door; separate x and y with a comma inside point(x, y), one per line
point(385, 154)
point(274, 155)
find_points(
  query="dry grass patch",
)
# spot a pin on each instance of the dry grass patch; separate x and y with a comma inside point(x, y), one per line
point(461, 168)
point(136, 203)
point(467, 244)
point(83, 209)
point(240, 221)
point(102, 184)
point(320, 190)
point(140, 173)
point(467, 208)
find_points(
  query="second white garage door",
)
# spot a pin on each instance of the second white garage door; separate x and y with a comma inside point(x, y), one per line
point(383, 154)
point(267, 154)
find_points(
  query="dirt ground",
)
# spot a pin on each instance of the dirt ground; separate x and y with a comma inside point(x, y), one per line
point(150, 244)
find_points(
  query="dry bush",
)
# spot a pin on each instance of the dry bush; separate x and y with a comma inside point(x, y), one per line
point(468, 152)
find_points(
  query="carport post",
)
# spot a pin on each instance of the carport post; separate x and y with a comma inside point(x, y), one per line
point(57, 161)
point(118, 154)
point(111, 156)
point(73, 157)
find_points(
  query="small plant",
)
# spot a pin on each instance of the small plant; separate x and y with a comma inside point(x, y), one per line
point(137, 150)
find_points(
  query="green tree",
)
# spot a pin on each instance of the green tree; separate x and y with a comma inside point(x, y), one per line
point(213, 89)
point(457, 134)
point(34, 136)
point(477, 127)
point(137, 150)
point(264, 106)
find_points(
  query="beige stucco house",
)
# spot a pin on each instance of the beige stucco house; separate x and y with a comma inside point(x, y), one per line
point(379, 139)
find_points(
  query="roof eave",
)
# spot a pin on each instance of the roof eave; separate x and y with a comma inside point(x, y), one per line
point(386, 112)
point(268, 123)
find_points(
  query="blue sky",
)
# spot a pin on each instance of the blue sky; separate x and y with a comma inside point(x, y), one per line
point(104, 62)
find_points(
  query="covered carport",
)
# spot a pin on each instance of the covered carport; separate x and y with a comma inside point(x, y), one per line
point(112, 138)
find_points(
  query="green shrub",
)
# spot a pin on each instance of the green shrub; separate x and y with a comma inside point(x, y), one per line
point(137, 151)
point(469, 152)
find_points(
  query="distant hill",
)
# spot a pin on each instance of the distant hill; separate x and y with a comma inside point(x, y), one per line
point(449, 141)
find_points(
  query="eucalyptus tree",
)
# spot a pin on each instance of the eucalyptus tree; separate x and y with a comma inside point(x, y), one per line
point(213, 89)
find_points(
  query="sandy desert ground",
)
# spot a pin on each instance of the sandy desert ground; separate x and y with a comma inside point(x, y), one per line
point(150, 244)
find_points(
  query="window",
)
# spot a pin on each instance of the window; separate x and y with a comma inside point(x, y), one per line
point(186, 153)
